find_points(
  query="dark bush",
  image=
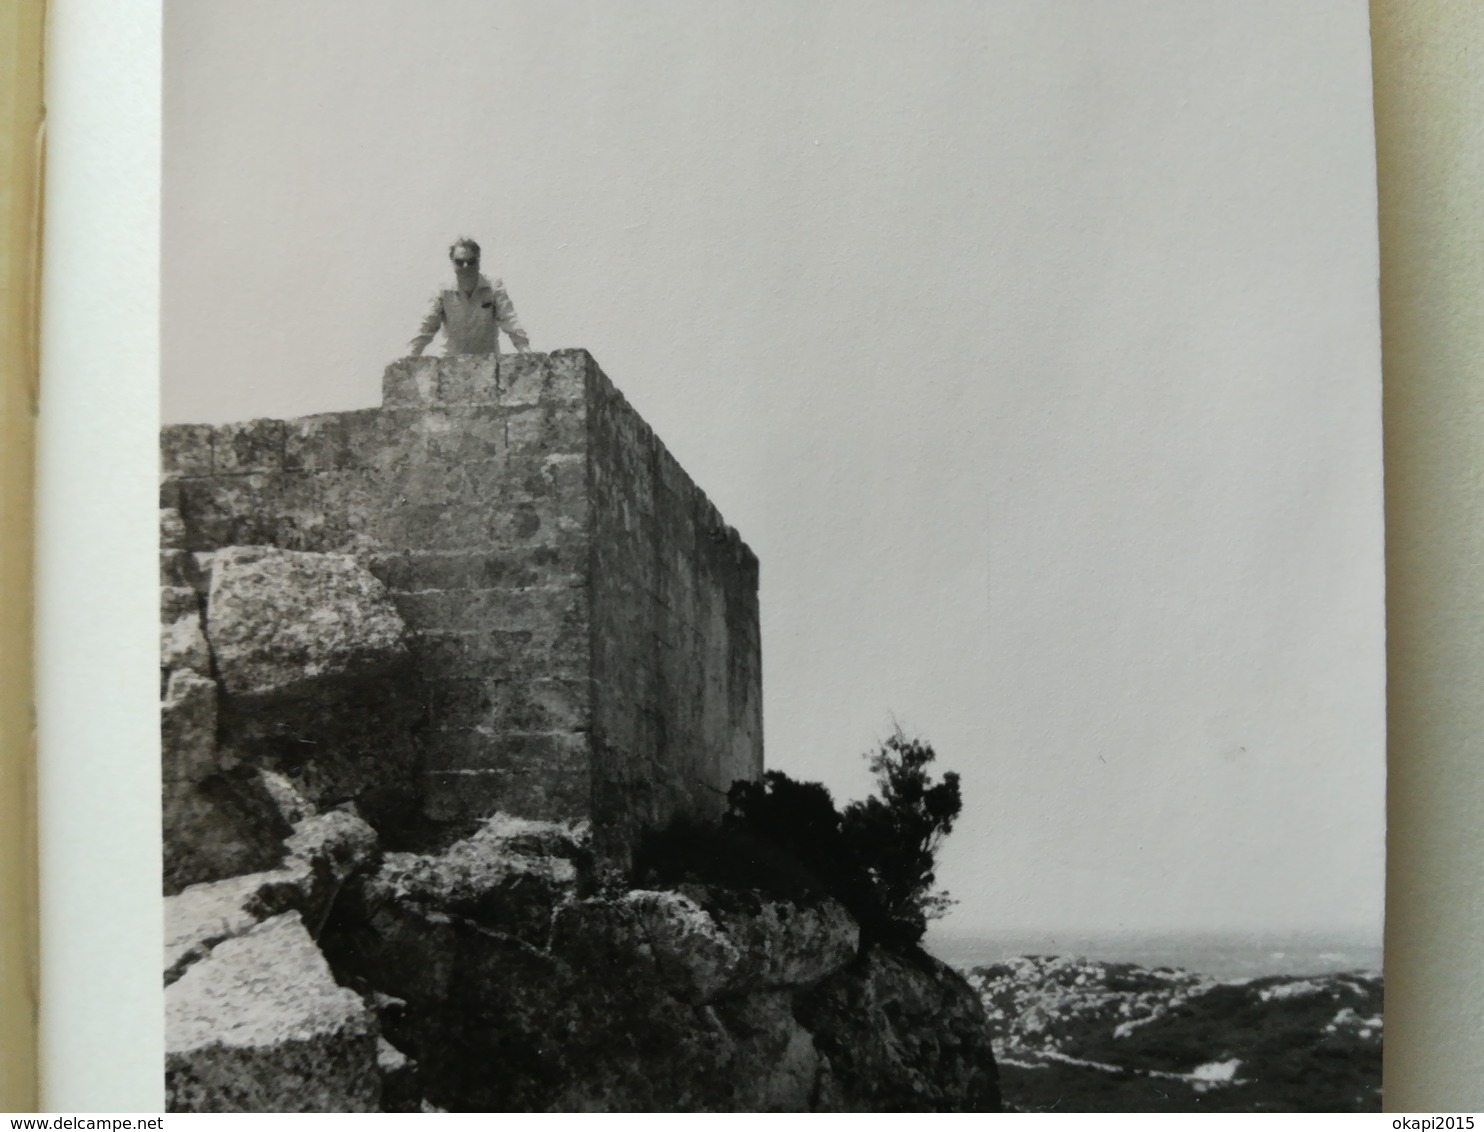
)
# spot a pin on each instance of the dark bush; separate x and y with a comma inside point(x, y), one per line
point(728, 856)
point(895, 835)
point(878, 857)
point(797, 817)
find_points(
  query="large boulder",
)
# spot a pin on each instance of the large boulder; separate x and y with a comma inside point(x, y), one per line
point(260, 1025)
point(315, 678)
point(510, 875)
point(280, 621)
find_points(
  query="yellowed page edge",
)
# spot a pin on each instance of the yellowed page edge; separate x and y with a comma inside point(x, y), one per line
point(1429, 90)
point(20, 174)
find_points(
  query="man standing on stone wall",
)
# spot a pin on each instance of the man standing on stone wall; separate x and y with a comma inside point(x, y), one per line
point(473, 313)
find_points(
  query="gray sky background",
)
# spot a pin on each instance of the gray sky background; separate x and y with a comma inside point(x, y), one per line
point(1032, 346)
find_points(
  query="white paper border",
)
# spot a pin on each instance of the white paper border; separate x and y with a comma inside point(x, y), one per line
point(102, 1025)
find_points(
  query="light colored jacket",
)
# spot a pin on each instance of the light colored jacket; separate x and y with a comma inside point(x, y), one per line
point(471, 323)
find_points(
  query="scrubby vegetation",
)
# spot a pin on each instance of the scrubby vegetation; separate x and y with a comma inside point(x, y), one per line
point(788, 839)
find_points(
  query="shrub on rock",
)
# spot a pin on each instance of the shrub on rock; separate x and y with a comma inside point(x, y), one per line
point(878, 856)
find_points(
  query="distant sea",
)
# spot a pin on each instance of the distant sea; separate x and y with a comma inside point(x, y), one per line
point(1220, 955)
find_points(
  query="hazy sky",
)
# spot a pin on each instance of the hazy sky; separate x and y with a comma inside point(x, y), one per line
point(1033, 347)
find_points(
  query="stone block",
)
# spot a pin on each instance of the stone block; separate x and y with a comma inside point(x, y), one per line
point(706, 945)
point(332, 512)
point(487, 568)
point(468, 379)
point(494, 654)
point(542, 705)
point(226, 511)
point(457, 434)
point(543, 522)
point(439, 654)
point(546, 618)
point(419, 482)
point(185, 449)
point(324, 850)
point(252, 446)
point(333, 441)
point(542, 776)
point(279, 621)
point(546, 427)
point(291, 805)
point(410, 383)
point(260, 1025)
point(461, 795)
point(524, 477)
point(529, 379)
point(528, 752)
point(436, 526)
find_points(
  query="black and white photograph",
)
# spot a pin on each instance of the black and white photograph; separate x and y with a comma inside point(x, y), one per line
point(788, 556)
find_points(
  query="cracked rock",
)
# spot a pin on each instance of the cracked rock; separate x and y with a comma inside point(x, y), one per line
point(260, 1025)
point(280, 620)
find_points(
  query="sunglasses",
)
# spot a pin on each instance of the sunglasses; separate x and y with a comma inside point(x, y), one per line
point(464, 262)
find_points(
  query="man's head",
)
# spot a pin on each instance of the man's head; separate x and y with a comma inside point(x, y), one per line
point(464, 253)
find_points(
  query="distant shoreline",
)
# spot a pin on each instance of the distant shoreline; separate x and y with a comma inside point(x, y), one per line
point(1090, 1035)
point(1215, 954)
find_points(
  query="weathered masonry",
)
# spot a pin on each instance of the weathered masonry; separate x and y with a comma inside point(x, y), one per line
point(583, 625)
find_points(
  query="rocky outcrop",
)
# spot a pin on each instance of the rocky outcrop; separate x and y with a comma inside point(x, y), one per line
point(281, 672)
point(527, 987)
point(501, 974)
point(903, 1033)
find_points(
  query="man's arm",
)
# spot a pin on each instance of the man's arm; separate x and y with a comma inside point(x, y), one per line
point(505, 317)
point(431, 323)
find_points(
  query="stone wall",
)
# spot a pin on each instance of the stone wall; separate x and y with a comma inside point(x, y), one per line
point(676, 653)
point(582, 626)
